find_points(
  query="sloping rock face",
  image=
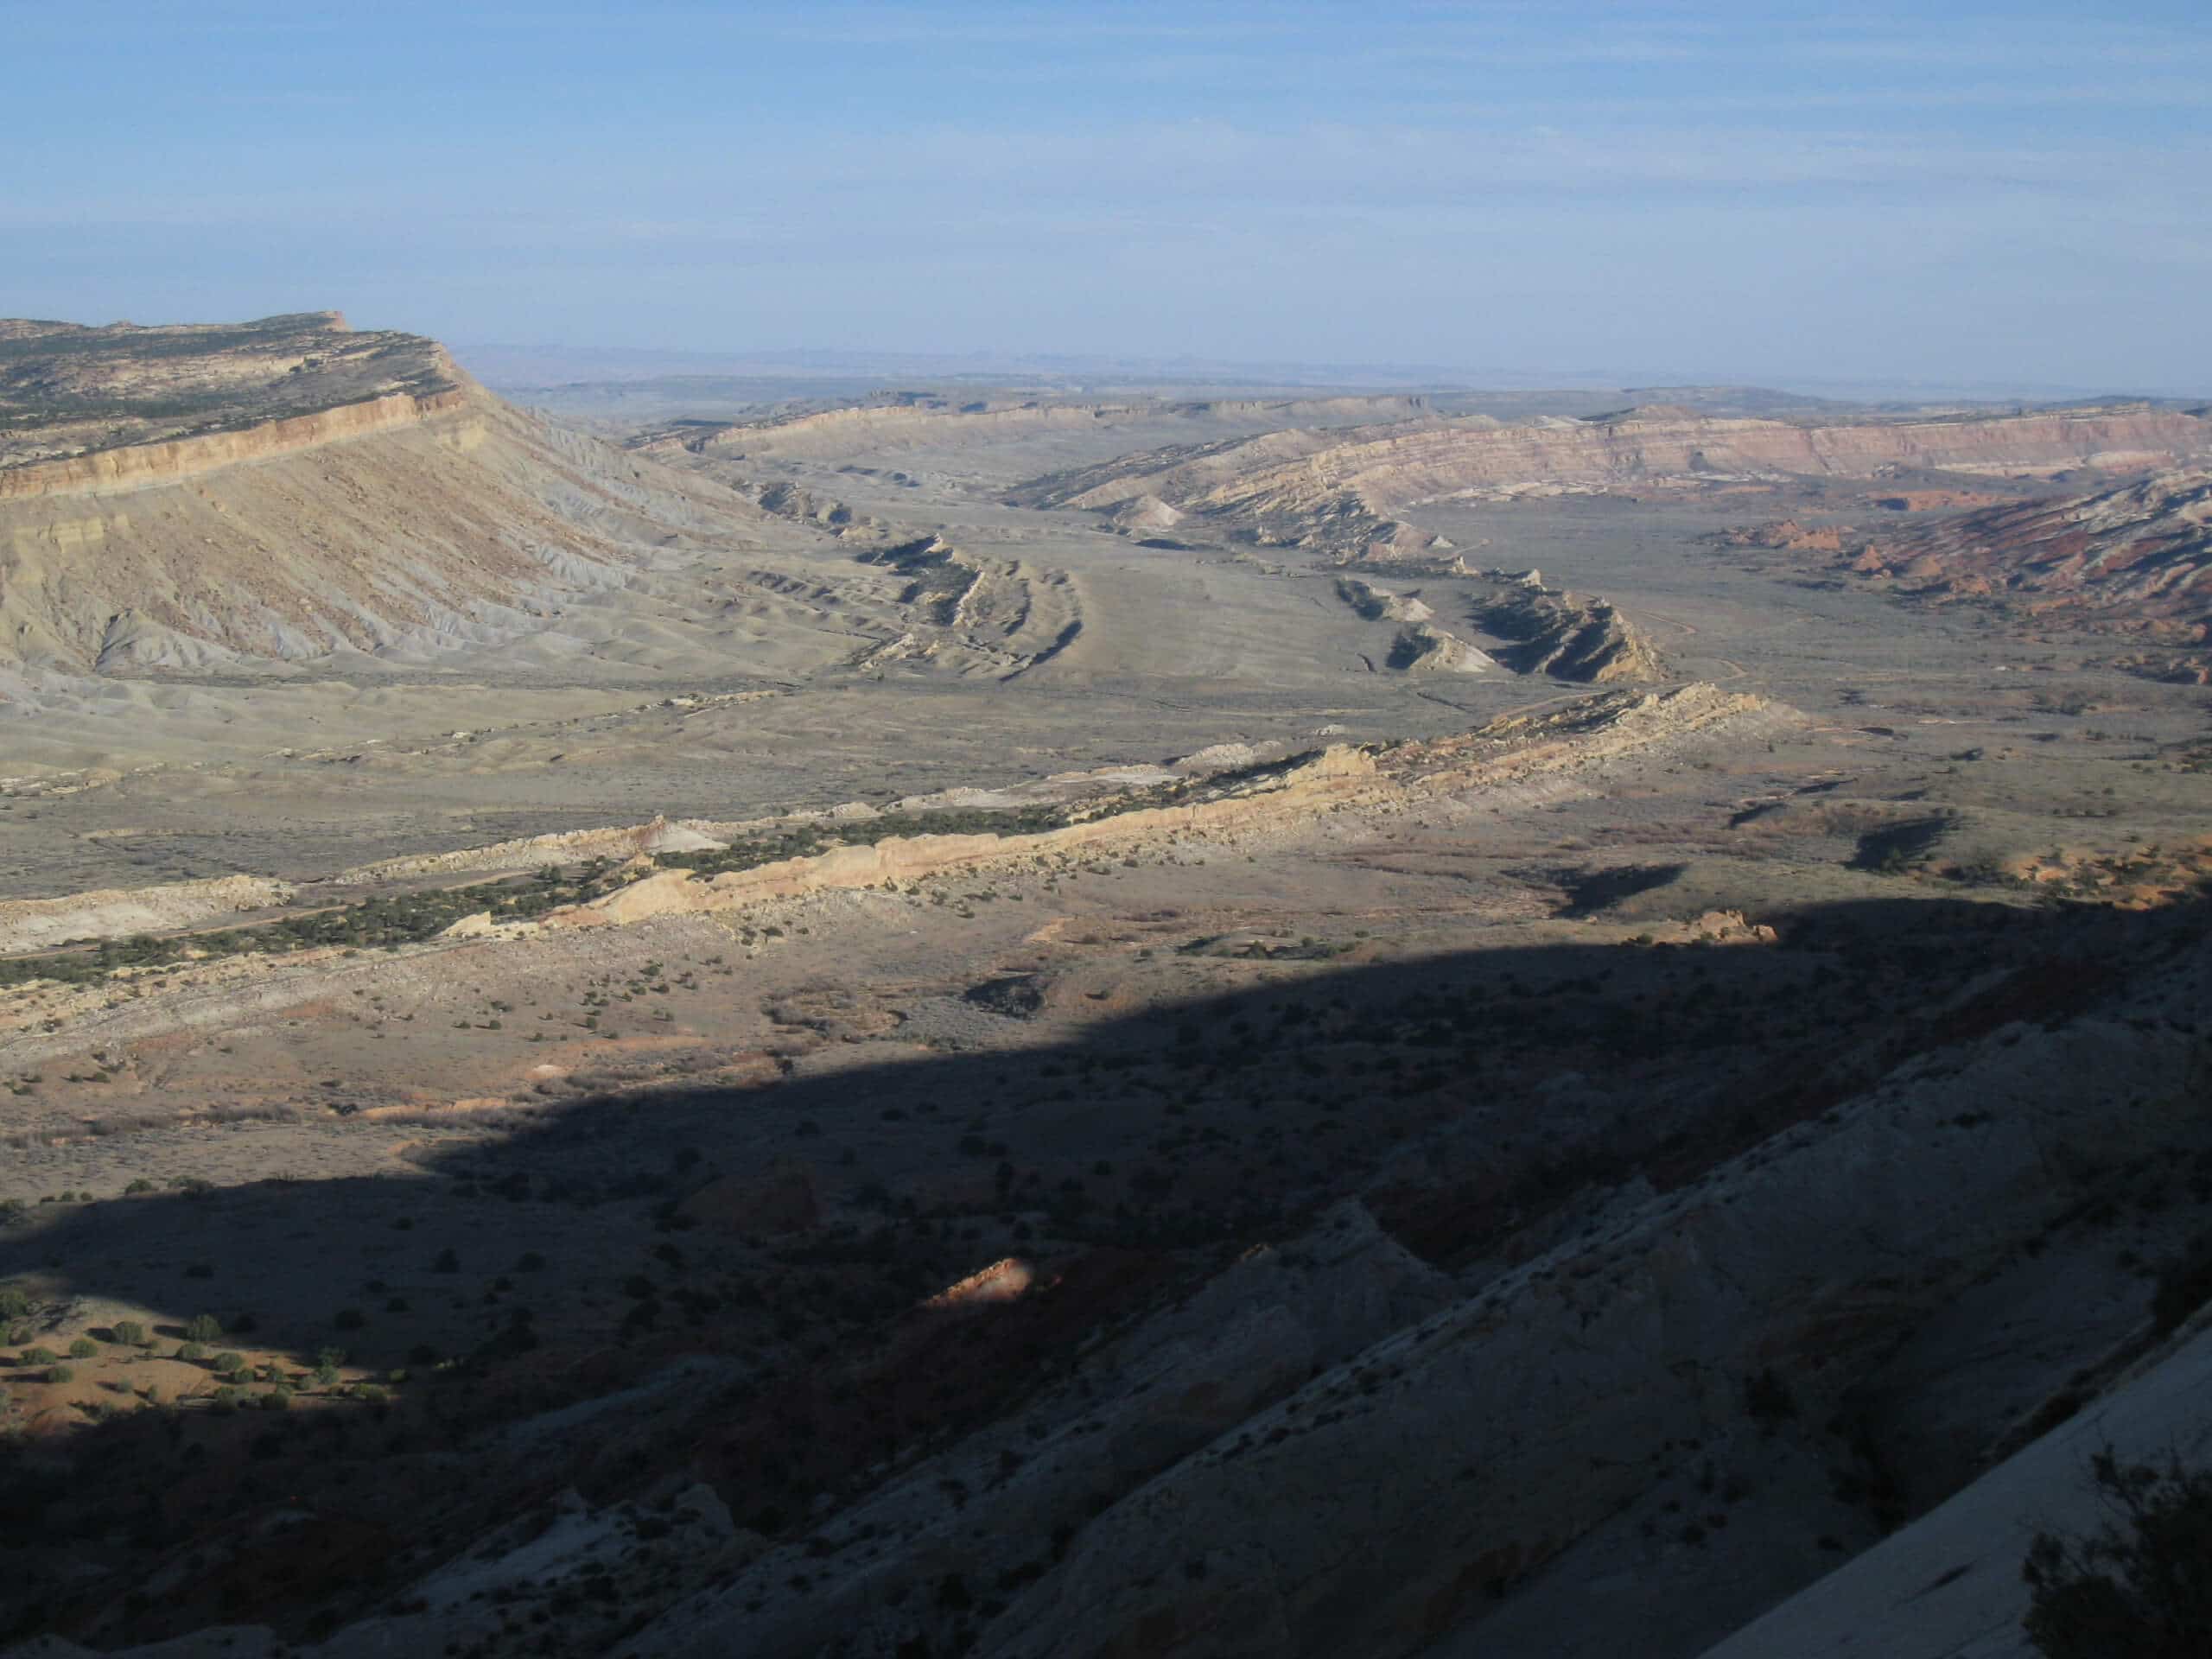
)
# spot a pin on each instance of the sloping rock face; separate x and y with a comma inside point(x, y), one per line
point(1155, 1394)
point(1888, 1601)
point(1343, 492)
point(1396, 1497)
point(1425, 648)
point(1568, 636)
point(423, 512)
point(2136, 558)
point(27, 923)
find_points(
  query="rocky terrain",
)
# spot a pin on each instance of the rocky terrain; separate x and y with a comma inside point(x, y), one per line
point(1347, 493)
point(2133, 559)
point(2127, 559)
point(969, 1023)
point(156, 401)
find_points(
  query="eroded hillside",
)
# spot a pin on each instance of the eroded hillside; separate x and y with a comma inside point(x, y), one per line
point(2136, 558)
point(1347, 494)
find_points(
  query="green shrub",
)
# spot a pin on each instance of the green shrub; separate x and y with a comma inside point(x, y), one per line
point(130, 1333)
point(229, 1364)
point(83, 1348)
point(277, 1399)
point(204, 1327)
point(193, 1352)
point(2139, 1588)
point(61, 1373)
point(14, 1302)
point(226, 1398)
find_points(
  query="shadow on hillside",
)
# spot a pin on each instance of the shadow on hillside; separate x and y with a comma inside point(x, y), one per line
point(1444, 1031)
point(790, 1229)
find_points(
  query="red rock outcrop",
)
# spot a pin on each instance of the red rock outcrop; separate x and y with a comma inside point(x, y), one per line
point(2136, 558)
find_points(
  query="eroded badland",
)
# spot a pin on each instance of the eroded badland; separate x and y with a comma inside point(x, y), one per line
point(1024, 1023)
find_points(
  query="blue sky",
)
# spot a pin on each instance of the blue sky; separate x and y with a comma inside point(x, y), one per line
point(2018, 194)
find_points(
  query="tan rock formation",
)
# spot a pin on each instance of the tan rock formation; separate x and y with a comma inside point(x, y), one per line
point(186, 498)
point(72, 392)
point(27, 923)
point(1345, 492)
point(1565, 635)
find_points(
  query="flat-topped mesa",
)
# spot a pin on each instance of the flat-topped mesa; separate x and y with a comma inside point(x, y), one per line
point(203, 497)
point(117, 406)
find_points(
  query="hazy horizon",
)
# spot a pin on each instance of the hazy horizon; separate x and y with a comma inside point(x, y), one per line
point(2010, 198)
point(517, 364)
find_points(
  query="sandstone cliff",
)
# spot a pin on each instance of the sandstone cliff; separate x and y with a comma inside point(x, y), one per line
point(67, 391)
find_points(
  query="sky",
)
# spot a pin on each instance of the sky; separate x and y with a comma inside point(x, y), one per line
point(2016, 195)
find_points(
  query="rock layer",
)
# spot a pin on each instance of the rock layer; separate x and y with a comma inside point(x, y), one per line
point(1344, 494)
point(425, 514)
point(2134, 558)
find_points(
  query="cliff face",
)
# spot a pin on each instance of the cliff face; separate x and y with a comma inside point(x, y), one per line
point(107, 470)
point(166, 503)
point(67, 391)
point(1343, 492)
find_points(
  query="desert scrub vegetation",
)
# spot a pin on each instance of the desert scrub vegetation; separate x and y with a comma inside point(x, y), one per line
point(816, 836)
point(389, 920)
point(2140, 1587)
point(381, 920)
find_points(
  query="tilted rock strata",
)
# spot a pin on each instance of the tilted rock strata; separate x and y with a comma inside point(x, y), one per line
point(1339, 774)
point(27, 923)
point(1606, 728)
point(1374, 1509)
point(1154, 1395)
point(2136, 557)
point(1345, 493)
point(1568, 636)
